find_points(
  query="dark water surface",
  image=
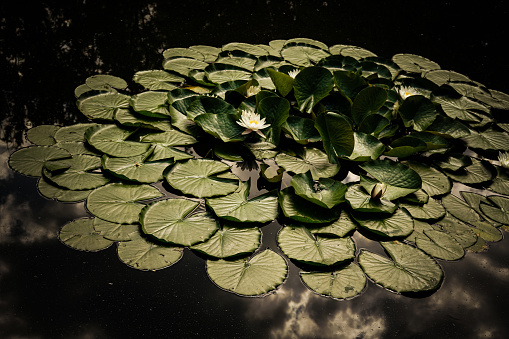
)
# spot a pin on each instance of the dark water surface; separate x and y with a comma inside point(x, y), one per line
point(48, 290)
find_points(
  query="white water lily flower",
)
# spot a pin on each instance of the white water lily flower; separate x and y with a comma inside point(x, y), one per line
point(378, 190)
point(252, 90)
point(252, 122)
point(293, 73)
point(405, 92)
point(504, 159)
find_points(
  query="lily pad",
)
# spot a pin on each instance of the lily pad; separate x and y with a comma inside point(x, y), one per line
point(311, 85)
point(440, 245)
point(42, 135)
point(367, 102)
point(31, 160)
point(257, 275)
point(434, 182)
point(81, 235)
point(230, 241)
point(173, 221)
point(120, 203)
point(476, 173)
point(52, 191)
point(155, 80)
point(137, 168)
point(151, 103)
point(297, 208)
point(202, 178)
point(399, 224)
point(418, 112)
point(325, 192)
point(301, 129)
point(361, 201)
point(111, 140)
point(142, 254)
point(298, 243)
point(344, 283)
point(337, 135)
point(410, 269)
point(311, 159)
point(499, 212)
point(114, 231)
point(103, 106)
point(237, 206)
point(460, 231)
point(432, 210)
point(340, 227)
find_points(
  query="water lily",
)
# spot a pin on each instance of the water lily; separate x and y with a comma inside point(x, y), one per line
point(405, 92)
point(504, 159)
point(252, 90)
point(378, 190)
point(293, 73)
point(252, 122)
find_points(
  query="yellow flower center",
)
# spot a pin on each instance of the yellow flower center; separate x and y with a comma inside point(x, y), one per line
point(253, 122)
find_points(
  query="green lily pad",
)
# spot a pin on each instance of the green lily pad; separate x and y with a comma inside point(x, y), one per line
point(337, 135)
point(488, 140)
point(298, 243)
point(42, 135)
point(257, 275)
point(141, 254)
point(460, 231)
point(79, 173)
point(367, 102)
point(157, 79)
point(219, 73)
point(432, 210)
point(311, 85)
point(460, 209)
point(476, 173)
point(31, 160)
point(414, 63)
point(499, 212)
point(137, 168)
point(500, 183)
point(114, 231)
point(418, 112)
point(302, 130)
point(453, 162)
point(173, 221)
point(399, 224)
point(275, 111)
point(151, 103)
point(202, 178)
point(366, 148)
point(120, 203)
point(205, 104)
point(462, 108)
point(183, 66)
point(361, 201)
point(52, 191)
point(434, 182)
point(103, 106)
point(448, 127)
point(283, 82)
point(297, 208)
point(230, 242)
point(105, 82)
point(303, 54)
point(325, 192)
point(221, 126)
point(440, 245)
point(237, 207)
point(399, 179)
point(81, 235)
point(344, 283)
point(72, 133)
point(340, 227)
point(111, 140)
point(410, 269)
point(311, 159)
point(129, 118)
point(350, 83)
point(405, 146)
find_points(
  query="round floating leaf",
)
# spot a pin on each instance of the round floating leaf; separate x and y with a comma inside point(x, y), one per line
point(169, 138)
point(120, 203)
point(137, 168)
point(43, 135)
point(350, 83)
point(488, 140)
point(434, 182)
point(81, 235)
point(51, 191)
point(257, 275)
point(237, 58)
point(219, 73)
point(302, 54)
point(72, 133)
point(486, 231)
point(431, 210)
point(111, 140)
point(448, 127)
point(247, 48)
point(344, 283)
point(499, 212)
point(283, 82)
point(275, 111)
point(337, 135)
point(462, 108)
point(311, 85)
point(460, 209)
point(297, 208)
point(418, 112)
point(212, 105)
point(79, 174)
point(340, 227)
point(405, 146)
point(311, 159)
point(130, 118)
point(151, 103)
point(221, 126)
point(361, 201)
point(183, 65)
point(103, 106)
point(301, 129)
point(325, 192)
point(202, 178)
point(414, 63)
point(366, 148)
point(400, 179)
point(237, 207)
point(453, 162)
point(105, 82)
point(145, 255)
point(500, 183)
point(476, 173)
point(461, 232)
point(173, 220)
point(367, 102)
point(440, 245)
point(410, 269)
point(298, 243)
point(230, 241)
point(157, 80)
point(398, 224)
point(31, 160)
point(114, 231)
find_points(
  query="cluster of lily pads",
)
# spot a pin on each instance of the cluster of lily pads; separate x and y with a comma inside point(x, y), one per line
point(344, 141)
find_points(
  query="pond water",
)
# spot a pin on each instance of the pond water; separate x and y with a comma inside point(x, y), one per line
point(48, 290)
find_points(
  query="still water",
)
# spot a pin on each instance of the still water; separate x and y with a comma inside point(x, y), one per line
point(48, 290)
